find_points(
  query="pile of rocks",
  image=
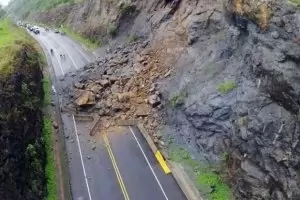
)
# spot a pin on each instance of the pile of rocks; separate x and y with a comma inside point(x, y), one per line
point(117, 86)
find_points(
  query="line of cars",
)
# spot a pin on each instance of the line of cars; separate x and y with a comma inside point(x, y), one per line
point(32, 28)
point(35, 29)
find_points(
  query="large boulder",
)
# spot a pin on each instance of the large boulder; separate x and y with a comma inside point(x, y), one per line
point(86, 98)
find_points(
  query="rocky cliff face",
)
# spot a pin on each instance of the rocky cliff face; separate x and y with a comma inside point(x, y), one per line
point(22, 157)
point(220, 77)
point(90, 18)
point(241, 90)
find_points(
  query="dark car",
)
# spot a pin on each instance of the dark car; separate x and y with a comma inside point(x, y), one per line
point(36, 31)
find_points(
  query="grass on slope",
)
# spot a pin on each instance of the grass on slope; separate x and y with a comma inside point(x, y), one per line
point(11, 38)
point(226, 86)
point(295, 2)
point(50, 168)
point(47, 90)
point(24, 8)
point(208, 182)
point(89, 43)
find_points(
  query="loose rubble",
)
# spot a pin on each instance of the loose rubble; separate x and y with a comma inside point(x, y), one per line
point(255, 123)
point(123, 94)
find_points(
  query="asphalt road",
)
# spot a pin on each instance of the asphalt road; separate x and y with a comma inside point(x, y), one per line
point(117, 165)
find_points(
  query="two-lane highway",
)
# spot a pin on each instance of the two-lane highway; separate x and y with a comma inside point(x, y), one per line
point(115, 165)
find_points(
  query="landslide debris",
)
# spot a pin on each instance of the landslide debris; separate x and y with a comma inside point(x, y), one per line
point(219, 79)
point(119, 86)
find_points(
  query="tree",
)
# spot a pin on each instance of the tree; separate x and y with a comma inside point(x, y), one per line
point(2, 12)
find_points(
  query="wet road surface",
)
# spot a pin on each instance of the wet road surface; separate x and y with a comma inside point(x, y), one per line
point(116, 165)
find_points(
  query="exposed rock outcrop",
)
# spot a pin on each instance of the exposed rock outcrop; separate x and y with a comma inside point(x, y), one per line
point(228, 79)
point(256, 121)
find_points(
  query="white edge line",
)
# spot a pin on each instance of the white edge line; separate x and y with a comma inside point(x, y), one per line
point(55, 58)
point(78, 49)
point(48, 46)
point(79, 147)
point(68, 55)
point(59, 64)
point(83, 54)
point(158, 182)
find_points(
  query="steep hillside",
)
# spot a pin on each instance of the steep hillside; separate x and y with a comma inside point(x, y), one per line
point(22, 157)
point(97, 20)
point(2, 12)
point(220, 79)
point(22, 8)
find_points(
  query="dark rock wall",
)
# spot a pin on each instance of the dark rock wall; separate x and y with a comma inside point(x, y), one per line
point(257, 122)
point(249, 43)
point(22, 158)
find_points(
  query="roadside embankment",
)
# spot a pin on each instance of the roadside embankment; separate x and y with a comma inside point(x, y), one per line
point(23, 157)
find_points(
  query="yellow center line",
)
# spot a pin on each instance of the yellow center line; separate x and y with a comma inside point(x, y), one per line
point(115, 166)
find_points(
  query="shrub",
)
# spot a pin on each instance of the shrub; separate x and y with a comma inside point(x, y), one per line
point(297, 2)
point(126, 8)
point(226, 86)
point(112, 30)
point(134, 38)
point(208, 181)
point(177, 100)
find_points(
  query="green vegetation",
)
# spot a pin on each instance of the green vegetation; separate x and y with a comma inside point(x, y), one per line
point(112, 30)
point(126, 7)
point(134, 38)
point(29, 100)
point(47, 90)
point(34, 155)
point(177, 100)
point(2, 12)
point(24, 7)
point(297, 2)
point(89, 43)
point(208, 182)
point(226, 87)
point(11, 38)
point(243, 121)
point(20, 54)
point(50, 167)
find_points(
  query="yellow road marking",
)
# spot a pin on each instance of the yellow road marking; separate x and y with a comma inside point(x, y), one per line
point(115, 166)
point(162, 162)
